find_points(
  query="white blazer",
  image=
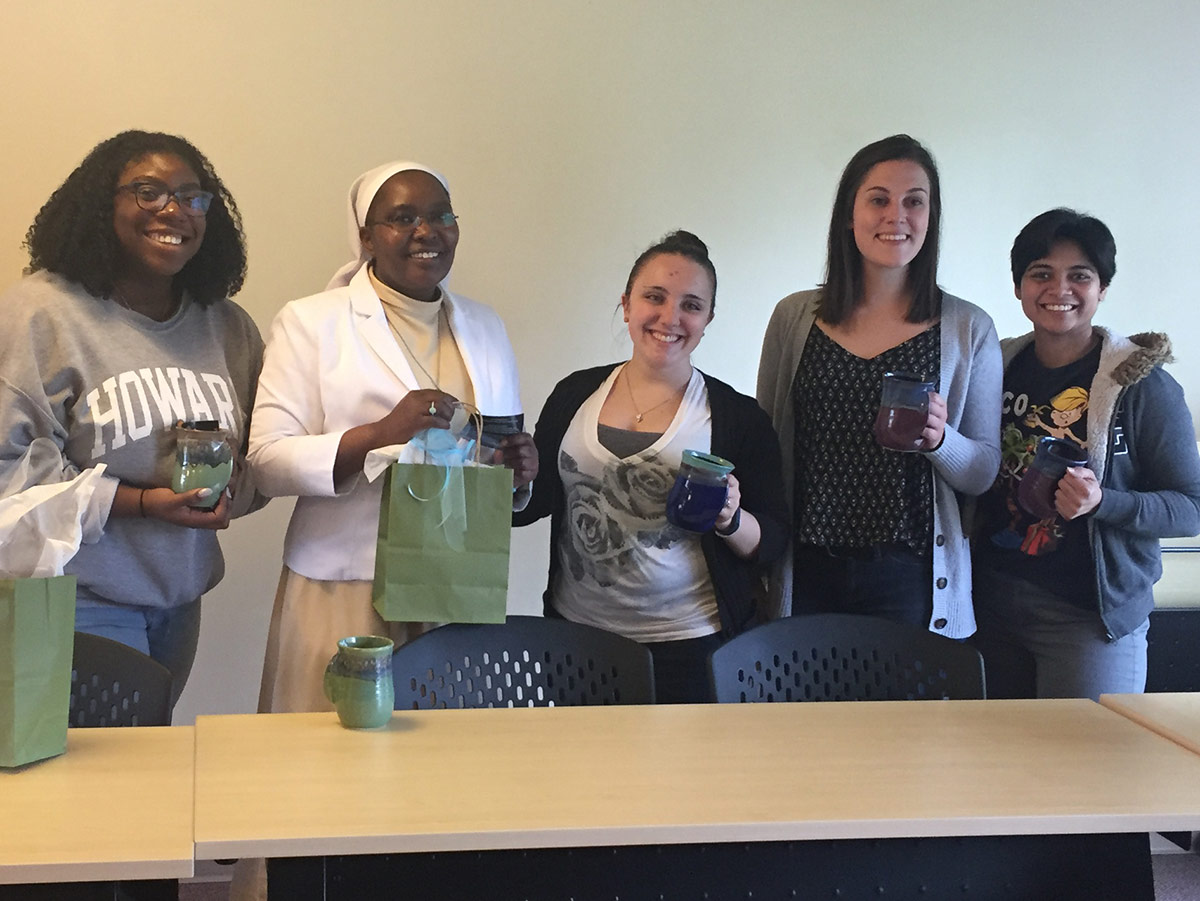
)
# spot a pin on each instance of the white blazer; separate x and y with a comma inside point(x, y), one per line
point(332, 363)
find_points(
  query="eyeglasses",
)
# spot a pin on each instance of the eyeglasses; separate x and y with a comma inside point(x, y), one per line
point(402, 222)
point(155, 197)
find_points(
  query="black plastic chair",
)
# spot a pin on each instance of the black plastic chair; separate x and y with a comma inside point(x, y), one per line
point(115, 685)
point(1171, 660)
point(839, 657)
point(528, 661)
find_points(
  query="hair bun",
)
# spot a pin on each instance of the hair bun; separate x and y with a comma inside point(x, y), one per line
point(681, 238)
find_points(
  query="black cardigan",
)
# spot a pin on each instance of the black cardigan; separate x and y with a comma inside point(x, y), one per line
point(741, 433)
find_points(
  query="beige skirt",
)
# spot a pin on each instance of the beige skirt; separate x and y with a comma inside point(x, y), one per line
point(308, 620)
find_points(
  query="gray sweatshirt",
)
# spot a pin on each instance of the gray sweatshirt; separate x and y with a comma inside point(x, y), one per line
point(85, 381)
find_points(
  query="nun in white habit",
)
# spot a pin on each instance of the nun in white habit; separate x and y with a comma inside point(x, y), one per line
point(379, 356)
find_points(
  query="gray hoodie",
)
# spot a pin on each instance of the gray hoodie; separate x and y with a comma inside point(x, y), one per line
point(1142, 448)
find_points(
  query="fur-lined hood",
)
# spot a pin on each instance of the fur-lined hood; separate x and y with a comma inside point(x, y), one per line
point(1138, 354)
point(1150, 349)
point(1123, 362)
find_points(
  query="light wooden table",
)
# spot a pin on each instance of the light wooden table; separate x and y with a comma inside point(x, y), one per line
point(116, 806)
point(289, 785)
point(1174, 715)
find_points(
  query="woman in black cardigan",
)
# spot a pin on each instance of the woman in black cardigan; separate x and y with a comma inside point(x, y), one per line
point(611, 439)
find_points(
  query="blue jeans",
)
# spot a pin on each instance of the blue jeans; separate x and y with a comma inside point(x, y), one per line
point(888, 581)
point(1036, 645)
point(167, 635)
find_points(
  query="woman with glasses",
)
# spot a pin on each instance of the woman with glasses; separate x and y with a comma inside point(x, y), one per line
point(381, 355)
point(122, 328)
point(878, 531)
point(611, 440)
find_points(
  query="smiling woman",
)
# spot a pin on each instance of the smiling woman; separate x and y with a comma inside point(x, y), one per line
point(1064, 600)
point(611, 440)
point(123, 328)
point(383, 354)
point(159, 220)
point(411, 259)
point(878, 531)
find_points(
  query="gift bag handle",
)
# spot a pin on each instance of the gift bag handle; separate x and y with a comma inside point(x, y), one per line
point(477, 416)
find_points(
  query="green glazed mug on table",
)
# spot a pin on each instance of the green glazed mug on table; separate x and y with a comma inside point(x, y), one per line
point(358, 681)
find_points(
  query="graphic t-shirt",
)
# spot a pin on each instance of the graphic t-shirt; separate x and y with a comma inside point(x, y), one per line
point(1038, 402)
point(622, 566)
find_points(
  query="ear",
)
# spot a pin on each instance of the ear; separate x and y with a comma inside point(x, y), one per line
point(1017, 291)
point(1103, 291)
point(364, 238)
point(625, 306)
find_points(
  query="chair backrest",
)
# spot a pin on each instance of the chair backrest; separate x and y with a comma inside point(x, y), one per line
point(115, 685)
point(528, 661)
point(839, 657)
point(1171, 660)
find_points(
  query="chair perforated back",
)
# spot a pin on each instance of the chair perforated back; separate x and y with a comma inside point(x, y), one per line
point(1171, 660)
point(113, 684)
point(528, 661)
point(840, 657)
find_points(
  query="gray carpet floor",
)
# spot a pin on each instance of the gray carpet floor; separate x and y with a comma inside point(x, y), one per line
point(1176, 877)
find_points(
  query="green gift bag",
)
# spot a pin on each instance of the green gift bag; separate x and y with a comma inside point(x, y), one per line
point(37, 640)
point(443, 546)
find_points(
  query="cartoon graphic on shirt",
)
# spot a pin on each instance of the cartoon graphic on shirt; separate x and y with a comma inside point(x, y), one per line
point(1017, 447)
point(1065, 409)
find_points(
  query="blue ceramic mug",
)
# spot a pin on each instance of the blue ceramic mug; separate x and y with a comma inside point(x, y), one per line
point(699, 491)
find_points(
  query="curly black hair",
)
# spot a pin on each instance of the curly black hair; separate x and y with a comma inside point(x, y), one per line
point(73, 236)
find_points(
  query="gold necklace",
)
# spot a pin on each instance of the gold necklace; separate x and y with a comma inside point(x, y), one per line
point(437, 358)
point(639, 415)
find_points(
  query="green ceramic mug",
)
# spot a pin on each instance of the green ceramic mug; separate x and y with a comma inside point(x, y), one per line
point(358, 680)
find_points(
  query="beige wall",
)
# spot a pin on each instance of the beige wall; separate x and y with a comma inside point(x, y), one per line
point(574, 133)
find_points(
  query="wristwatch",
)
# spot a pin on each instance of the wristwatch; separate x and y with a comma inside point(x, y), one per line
point(734, 524)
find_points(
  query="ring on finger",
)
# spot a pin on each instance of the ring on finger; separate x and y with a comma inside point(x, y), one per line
point(432, 408)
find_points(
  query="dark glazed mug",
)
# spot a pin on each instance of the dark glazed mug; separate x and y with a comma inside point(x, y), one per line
point(699, 491)
point(903, 411)
point(1054, 456)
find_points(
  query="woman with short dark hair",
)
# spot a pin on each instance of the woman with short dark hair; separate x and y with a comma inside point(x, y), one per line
point(875, 531)
point(1063, 600)
point(122, 327)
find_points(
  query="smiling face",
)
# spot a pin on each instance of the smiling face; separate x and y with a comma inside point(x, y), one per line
point(1060, 293)
point(155, 245)
point(667, 308)
point(410, 260)
point(891, 214)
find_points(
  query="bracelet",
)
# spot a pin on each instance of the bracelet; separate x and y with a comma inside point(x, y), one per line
point(734, 524)
point(142, 503)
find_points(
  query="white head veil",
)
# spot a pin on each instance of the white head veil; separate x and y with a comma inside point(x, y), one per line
point(362, 192)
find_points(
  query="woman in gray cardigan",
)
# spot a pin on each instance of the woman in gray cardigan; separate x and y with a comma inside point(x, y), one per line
point(876, 531)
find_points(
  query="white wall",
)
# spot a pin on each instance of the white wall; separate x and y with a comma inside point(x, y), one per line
point(575, 133)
